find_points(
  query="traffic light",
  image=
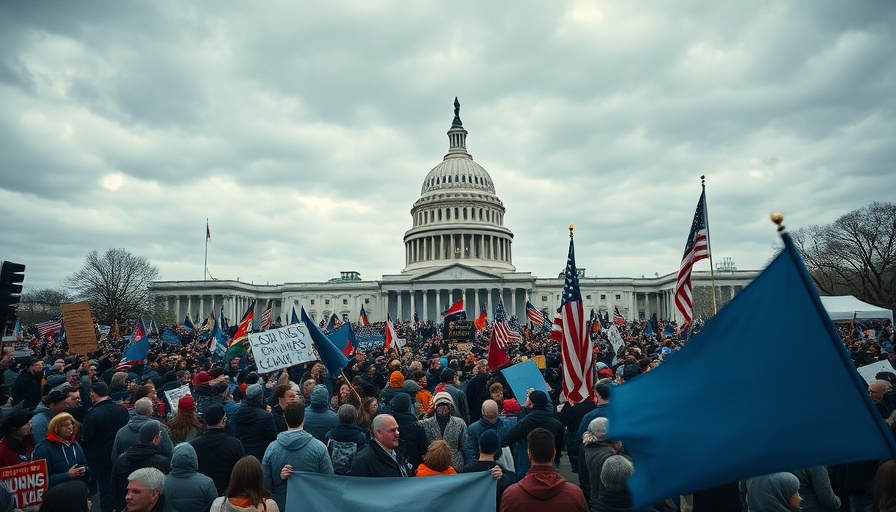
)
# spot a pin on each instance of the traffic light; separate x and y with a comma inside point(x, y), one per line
point(11, 277)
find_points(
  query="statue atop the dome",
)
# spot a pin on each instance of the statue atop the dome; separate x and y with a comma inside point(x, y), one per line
point(457, 122)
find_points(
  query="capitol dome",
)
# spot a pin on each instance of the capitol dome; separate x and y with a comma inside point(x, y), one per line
point(458, 217)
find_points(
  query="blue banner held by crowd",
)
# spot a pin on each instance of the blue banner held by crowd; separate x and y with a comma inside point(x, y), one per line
point(312, 492)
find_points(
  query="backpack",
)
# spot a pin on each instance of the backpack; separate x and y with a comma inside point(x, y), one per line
point(342, 453)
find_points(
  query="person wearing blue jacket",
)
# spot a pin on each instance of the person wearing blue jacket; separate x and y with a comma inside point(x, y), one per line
point(294, 450)
point(186, 488)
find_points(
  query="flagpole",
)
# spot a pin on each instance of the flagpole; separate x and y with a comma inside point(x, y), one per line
point(205, 265)
point(712, 273)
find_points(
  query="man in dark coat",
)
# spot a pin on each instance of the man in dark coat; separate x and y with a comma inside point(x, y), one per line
point(413, 442)
point(381, 457)
point(145, 454)
point(255, 426)
point(539, 417)
point(216, 450)
point(101, 424)
point(26, 388)
point(477, 390)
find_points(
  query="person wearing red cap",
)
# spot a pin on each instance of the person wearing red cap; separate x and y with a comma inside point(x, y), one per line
point(184, 426)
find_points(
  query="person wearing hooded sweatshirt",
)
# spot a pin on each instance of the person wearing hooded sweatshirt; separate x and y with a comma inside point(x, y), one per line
point(65, 458)
point(254, 425)
point(815, 490)
point(543, 488)
point(413, 441)
point(144, 454)
point(294, 450)
point(186, 488)
point(777, 492)
point(129, 435)
point(346, 431)
point(319, 419)
point(398, 384)
point(444, 425)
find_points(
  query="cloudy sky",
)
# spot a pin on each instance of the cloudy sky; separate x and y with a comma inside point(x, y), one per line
point(303, 131)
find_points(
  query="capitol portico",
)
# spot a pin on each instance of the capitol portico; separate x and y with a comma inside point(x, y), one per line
point(457, 247)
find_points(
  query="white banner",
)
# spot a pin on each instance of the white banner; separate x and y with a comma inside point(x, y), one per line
point(174, 395)
point(281, 348)
point(868, 372)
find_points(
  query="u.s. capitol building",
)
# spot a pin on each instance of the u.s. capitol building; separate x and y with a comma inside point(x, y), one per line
point(457, 246)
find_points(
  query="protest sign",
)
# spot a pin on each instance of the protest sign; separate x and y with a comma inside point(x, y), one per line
point(869, 371)
point(79, 330)
point(520, 377)
point(280, 348)
point(27, 482)
point(174, 395)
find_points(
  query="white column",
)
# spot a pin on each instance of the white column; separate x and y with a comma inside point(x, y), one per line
point(413, 303)
point(513, 300)
point(476, 303)
point(463, 246)
point(438, 303)
point(425, 317)
point(202, 305)
point(177, 308)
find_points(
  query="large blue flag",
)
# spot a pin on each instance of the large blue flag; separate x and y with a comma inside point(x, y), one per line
point(765, 386)
point(311, 492)
point(333, 358)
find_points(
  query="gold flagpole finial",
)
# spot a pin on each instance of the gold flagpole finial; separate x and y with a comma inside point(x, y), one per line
point(778, 219)
point(570, 230)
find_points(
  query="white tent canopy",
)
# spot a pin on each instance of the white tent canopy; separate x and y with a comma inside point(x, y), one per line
point(843, 307)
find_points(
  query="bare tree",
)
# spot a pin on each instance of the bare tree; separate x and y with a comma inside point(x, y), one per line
point(855, 255)
point(42, 304)
point(116, 284)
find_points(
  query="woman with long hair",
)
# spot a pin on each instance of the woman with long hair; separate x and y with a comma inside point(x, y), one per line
point(16, 442)
point(884, 497)
point(65, 458)
point(246, 492)
point(365, 416)
point(437, 460)
point(69, 496)
point(184, 426)
point(341, 397)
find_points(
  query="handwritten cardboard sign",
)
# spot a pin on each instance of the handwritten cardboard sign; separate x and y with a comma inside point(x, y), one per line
point(281, 348)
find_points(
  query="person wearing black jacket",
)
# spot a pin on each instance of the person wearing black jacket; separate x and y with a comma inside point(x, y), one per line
point(145, 454)
point(413, 441)
point(101, 424)
point(255, 426)
point(477, 390)
point(216, 450)
point(382, 457)
point(26, 388)
point(539, 416)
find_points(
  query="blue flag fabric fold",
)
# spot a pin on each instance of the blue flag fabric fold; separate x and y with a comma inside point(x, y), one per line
point(748, 397)
point(311, 492)
point(333, 358)
point(343, 335)
point(170, 336)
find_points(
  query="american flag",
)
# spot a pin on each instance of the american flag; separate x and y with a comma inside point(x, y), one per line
point(557, 328)
point(618, 319)
point(49, 327)
point(534, 315)
point(575, 343)
point(696, 249)
point(503, 333)
point(267, 318)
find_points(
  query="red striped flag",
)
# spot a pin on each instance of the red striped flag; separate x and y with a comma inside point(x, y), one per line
point(49, 327)
point(267, 318)
point(696, 249)
point(575, 343)
point(502, 333)
point(618, 319)
point(533, 314)
point(557, 328)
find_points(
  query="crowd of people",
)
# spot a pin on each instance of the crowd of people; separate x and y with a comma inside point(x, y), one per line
point(182, 431)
